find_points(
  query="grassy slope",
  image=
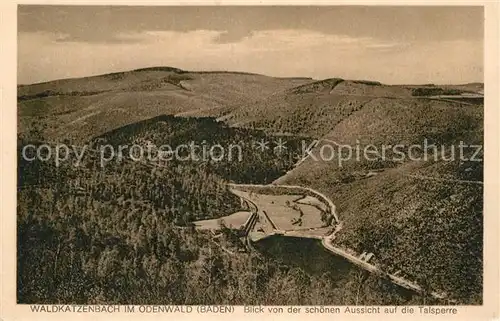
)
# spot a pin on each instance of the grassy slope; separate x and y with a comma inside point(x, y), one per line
point(312, 109)
point(316, 108)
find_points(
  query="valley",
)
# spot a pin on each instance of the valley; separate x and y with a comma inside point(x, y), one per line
point(378, 231)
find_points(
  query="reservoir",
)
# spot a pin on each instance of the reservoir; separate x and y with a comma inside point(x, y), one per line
point(310, 256)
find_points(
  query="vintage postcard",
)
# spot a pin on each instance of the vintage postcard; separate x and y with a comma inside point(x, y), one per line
point(227, 161)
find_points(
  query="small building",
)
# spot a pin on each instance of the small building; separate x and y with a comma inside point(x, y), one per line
point(368, 257)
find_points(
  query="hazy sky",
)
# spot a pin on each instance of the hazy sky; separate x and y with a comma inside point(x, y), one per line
point(388, 44)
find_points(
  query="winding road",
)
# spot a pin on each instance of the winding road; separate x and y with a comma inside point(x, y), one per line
point(326, 241)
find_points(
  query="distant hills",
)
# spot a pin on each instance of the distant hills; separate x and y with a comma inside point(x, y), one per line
point(97, 104)
point(83, 107)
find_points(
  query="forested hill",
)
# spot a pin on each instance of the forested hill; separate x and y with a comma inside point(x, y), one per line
point(234, 154)
point(117, 234)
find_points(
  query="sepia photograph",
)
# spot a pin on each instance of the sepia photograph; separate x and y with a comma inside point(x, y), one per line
point(319, 156)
